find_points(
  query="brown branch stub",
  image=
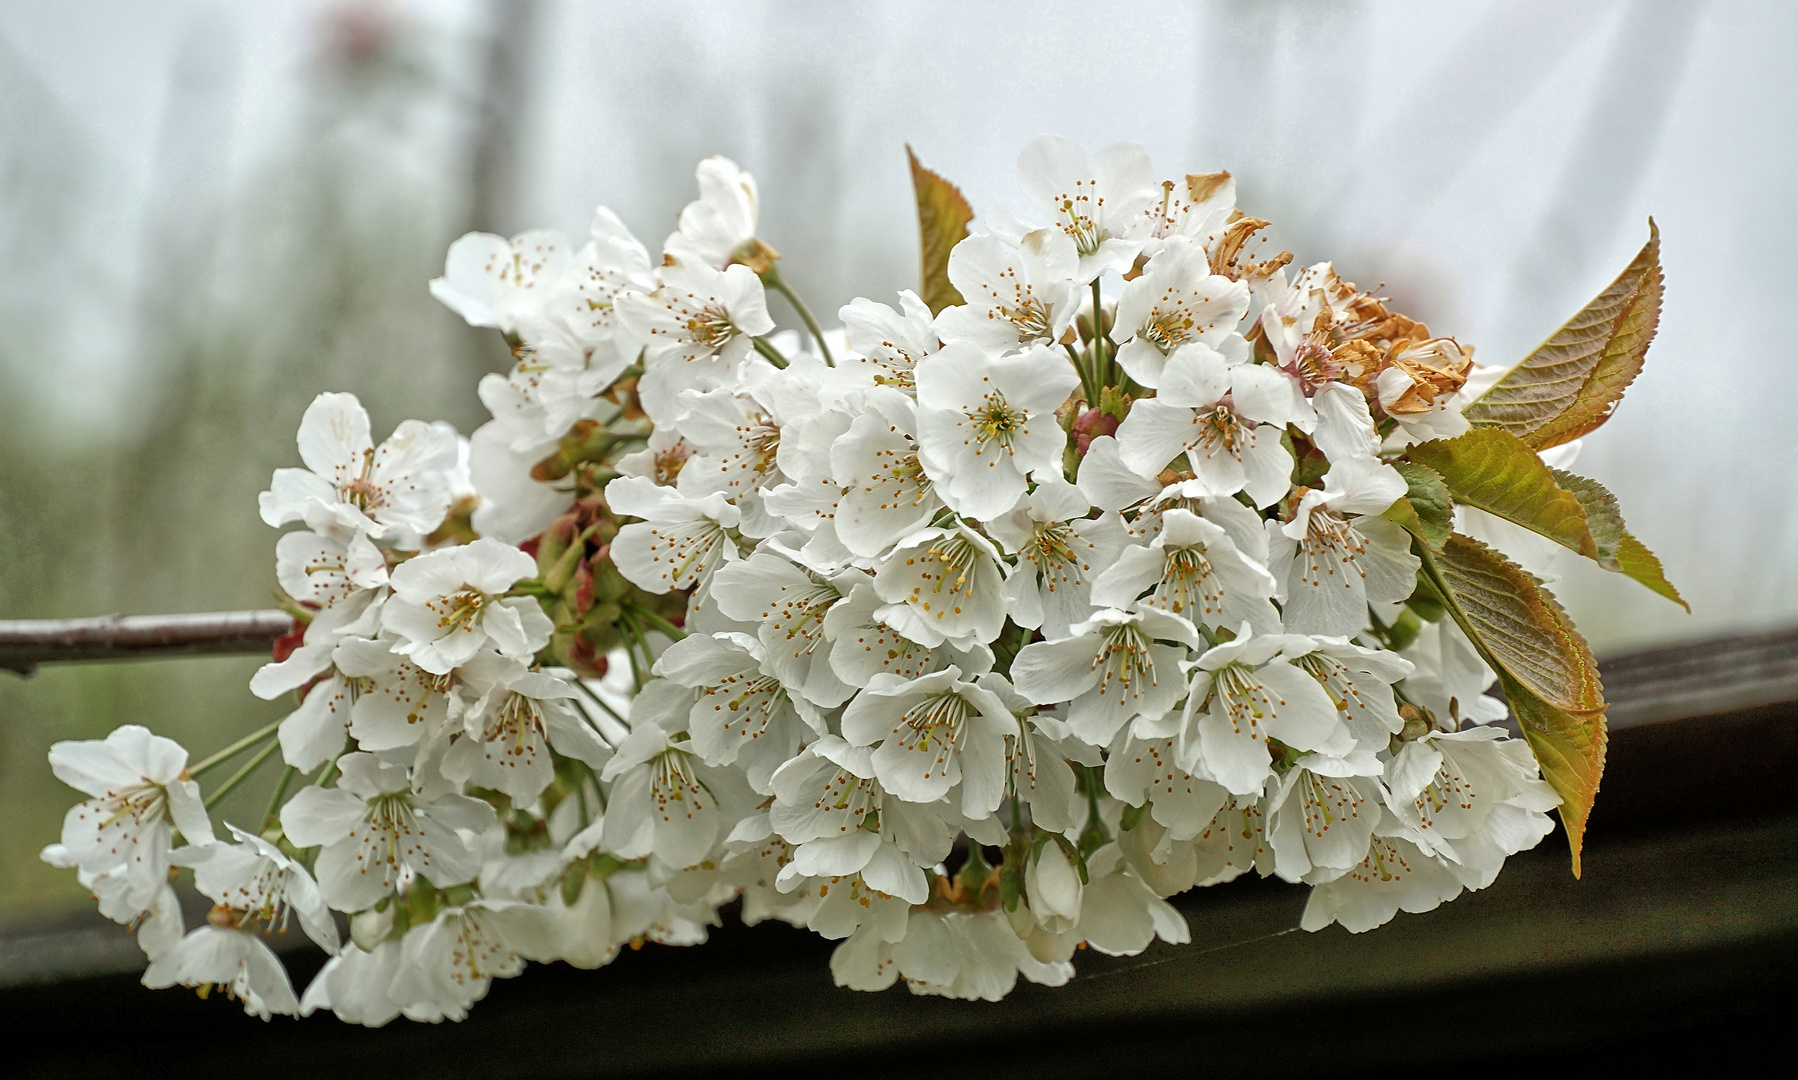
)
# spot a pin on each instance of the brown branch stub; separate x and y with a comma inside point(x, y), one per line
point(26, 643)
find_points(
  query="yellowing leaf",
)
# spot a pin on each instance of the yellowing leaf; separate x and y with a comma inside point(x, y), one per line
point(1570, 751)
point(1636, 561)
point(943, 216)
point(1492, 469)
point(1617, 550)
point(1520, 624)
point(1547, 671)
point(1570, 384)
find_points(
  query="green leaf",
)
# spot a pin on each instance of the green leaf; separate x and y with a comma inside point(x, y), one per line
point(943, 216)
point(1427, 511)
point(1617, 550)
point(1492, 469)
point(1547, 671)
point(1570, 384)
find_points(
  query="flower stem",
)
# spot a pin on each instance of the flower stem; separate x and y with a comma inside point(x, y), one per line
point(233, 750)
point(627, 629)
point(325, 774)
point(767, 349)
point(1086, 379)
point(601, 702)
point(805, 313)
point(656, 622)
point(1101, 370)
point(238, 777)
point(274, 803)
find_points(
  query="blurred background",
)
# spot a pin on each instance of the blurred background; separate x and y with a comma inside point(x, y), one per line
point(211, 212)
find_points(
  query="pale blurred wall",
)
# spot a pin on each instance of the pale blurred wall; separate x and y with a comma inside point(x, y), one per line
point(210, 212)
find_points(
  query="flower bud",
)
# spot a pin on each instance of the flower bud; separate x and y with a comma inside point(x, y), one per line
point(370, 928)
point(1053, 883)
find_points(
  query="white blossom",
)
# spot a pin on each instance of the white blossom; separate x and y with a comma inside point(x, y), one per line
point(1225, 420)
point(1013, 297)
point(933, 734)
point(507, 733)
point(256, 882)
point(885, 493)
point(1359, 680)
point(1177, 301)
point(448, 604)
point(715, 226)
point(1242, 695)
point(140, 794)
point(1146, 772)
point(448, 964)
point(375, 833)
point(396, 703)
point(1471, 796)
point(399, 489)
point(353, 984)
point(1114, 669)
point(696, 328)
point(889, 343)
point(864, 644)
point(1194, 570)
point(680, 540)
point(585, 300)
point(1335, 557)
point(743, 715)
point(1060, 551)
point(1393, 876)
point(514, 507)
point(1319, 825)
point(1099, 203)
point(985, 423)
point(829, 803)
point(239, 962)
point(788, 604)
point(666, 800)
point(490, 280)
point(943, 584)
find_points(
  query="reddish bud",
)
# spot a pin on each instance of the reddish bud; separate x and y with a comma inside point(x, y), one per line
point(1091, 424)
point(288, 642)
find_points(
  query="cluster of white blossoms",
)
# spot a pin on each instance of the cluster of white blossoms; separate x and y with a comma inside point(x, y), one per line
point(965, 637)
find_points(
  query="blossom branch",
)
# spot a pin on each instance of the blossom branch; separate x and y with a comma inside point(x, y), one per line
point(26, 643)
